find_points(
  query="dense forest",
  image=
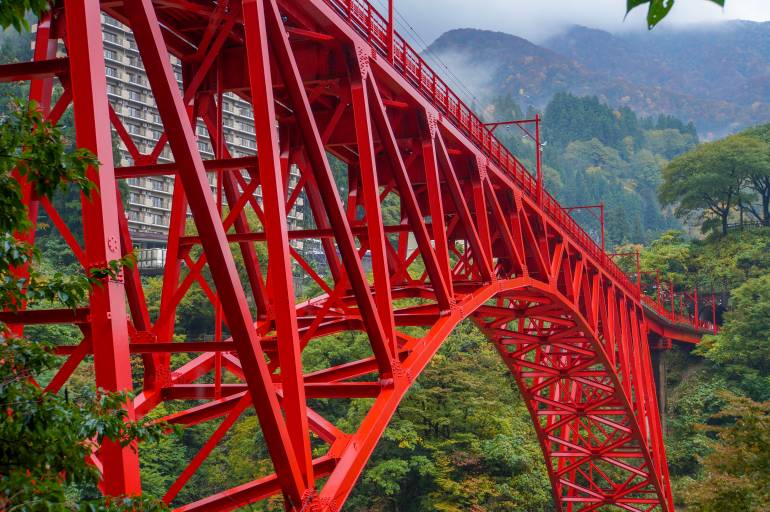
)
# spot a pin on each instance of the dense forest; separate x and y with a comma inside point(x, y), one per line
point(718, 410)
point(462, 440)
point(594, 153)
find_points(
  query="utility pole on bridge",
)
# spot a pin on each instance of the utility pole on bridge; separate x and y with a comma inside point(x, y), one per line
point(538, 146)
point(391, 32)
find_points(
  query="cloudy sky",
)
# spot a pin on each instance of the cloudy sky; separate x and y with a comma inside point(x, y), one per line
point(538, 19)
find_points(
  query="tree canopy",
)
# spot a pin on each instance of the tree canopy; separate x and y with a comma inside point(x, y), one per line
point(717, 412)
point(716, 180)
point(69, 425)
point(603, 154)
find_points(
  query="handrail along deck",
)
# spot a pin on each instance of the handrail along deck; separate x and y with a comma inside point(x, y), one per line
point(373, 26)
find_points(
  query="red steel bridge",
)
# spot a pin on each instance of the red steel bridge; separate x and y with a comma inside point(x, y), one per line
point(478, 239)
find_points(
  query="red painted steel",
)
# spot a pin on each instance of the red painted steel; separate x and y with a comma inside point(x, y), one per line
point(477, 240)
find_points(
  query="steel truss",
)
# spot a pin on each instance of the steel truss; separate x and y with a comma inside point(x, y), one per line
point(568, 323)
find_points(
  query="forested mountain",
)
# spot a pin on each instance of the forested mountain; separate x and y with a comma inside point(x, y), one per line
point(598, 154)
point(715, 76)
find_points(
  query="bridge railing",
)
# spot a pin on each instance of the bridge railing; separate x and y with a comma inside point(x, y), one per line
point(373, 26)
point(744, 226)
point(677, 318)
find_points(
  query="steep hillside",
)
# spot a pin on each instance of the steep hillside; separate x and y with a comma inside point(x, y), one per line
point(716, 76)
point(494, 64)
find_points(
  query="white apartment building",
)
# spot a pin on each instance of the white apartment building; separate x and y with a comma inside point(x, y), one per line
point(149, 200)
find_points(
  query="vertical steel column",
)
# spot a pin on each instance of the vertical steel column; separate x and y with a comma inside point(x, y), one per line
point(40, 91)
point(639, 271)
point(435, 198)
point(477, 177)
point(371, 195)
point(601, 221)
point(325, 181)
point(672, 297)
point(279, 270)
point(450, 176)
point(697, 307)
point(409, 207)
point(101, 230)
point(391, 31)
point(539, 161)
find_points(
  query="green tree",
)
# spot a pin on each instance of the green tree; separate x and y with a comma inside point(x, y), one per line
point(669, 142)
point(742, 348)
point(759, 180)
point(45, 438)
point(570, 118)
point(14, 13)
point(708, 183)
point(69, 427)
point(737, 471)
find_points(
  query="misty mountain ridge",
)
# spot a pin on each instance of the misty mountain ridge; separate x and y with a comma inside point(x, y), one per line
point(716, 75)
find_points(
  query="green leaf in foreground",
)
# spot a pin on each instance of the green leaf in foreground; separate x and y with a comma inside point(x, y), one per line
point(658, 9)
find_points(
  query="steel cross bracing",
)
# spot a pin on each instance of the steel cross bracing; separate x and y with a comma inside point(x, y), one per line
point(474, 241)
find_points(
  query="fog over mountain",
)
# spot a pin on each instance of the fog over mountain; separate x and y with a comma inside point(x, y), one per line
point(716, 75)
point(542, 19)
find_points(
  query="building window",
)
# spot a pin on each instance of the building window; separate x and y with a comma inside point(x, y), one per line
point(135, 113)
point(110, 54)
point(135, 95)
point(157, 202)
point(135, 78)
point(134, 129)
point(158, 220)
point(110, 37)
point(157, 185)
point(111, 71)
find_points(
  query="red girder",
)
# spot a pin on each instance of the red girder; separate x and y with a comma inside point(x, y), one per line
point(570, 326)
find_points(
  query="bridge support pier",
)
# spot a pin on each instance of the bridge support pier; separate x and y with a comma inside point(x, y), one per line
point(659, 375)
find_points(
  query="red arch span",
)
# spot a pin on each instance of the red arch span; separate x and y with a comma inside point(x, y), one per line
point(473, 238)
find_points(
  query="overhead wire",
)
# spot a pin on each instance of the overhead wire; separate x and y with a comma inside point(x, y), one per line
point(425, 51)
